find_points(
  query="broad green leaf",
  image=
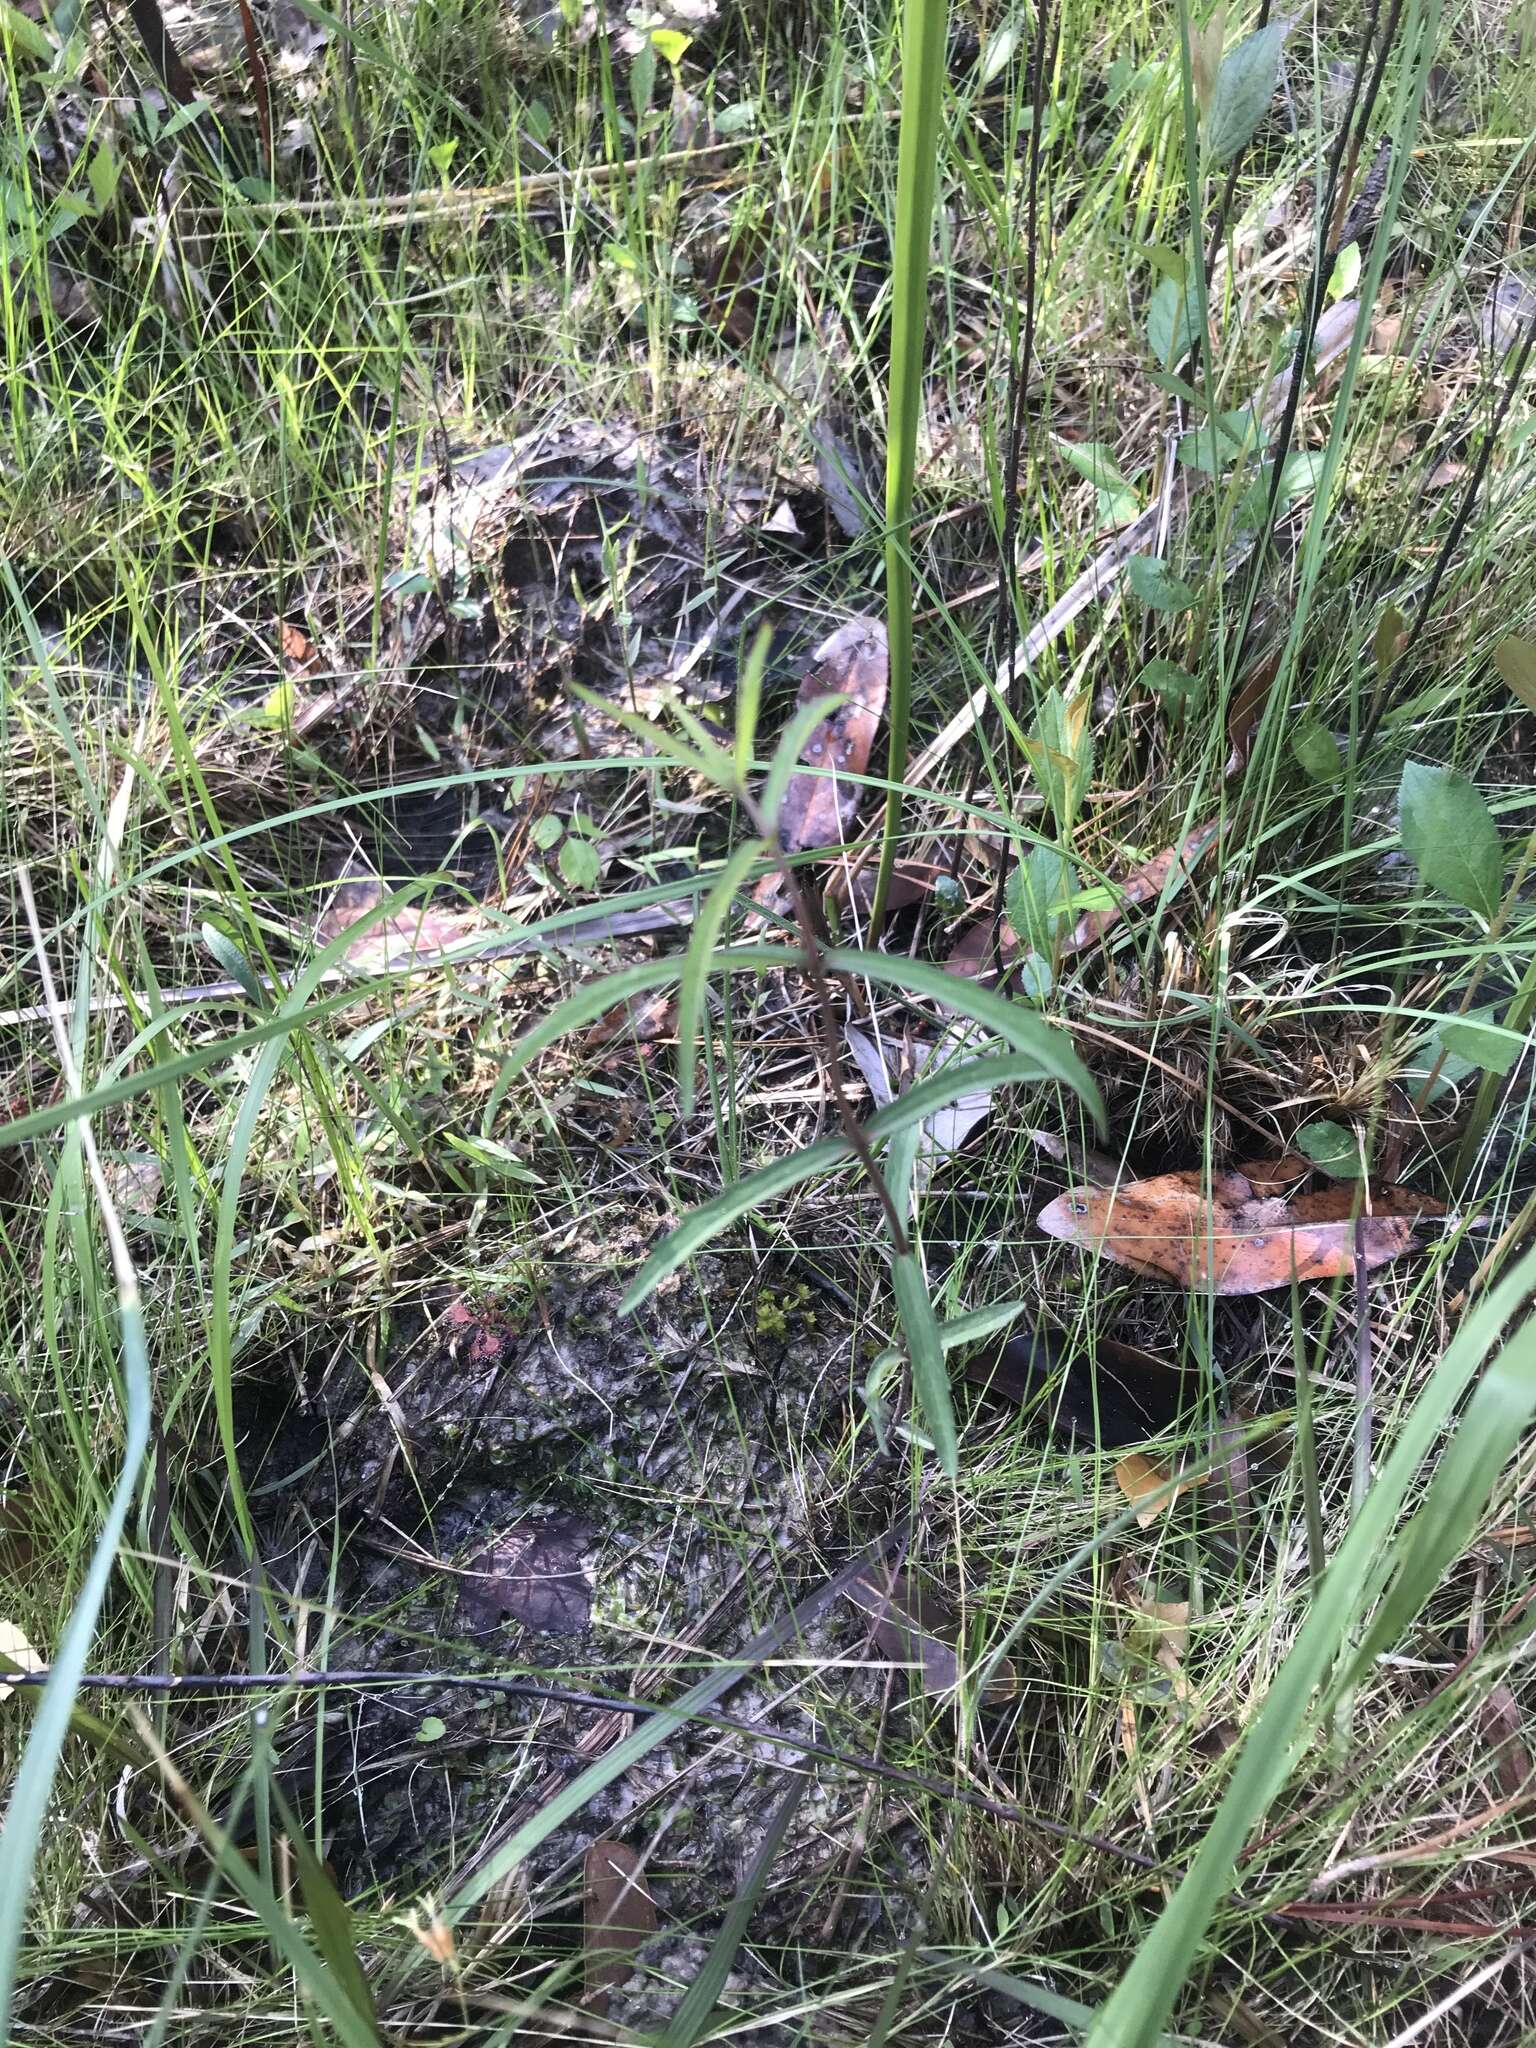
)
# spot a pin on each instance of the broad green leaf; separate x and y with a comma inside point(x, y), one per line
point(1391, 633)
point(1165, 260)
point(234, 963)
point(1448, 831)
point(1039, 897)
point(1221, 441)
point(1515, 660)
point(1299, 477)
point(642, 79)
point(102, 174)
point(1317, 750)
point(547, 831)
point(1000, 49)
point(1171, 323)
point(1481, 1044)
point(1035, 979)
point(671, 44)
point(432, 1729)
point(1331, 1147)
point(1346, 272)
point(25, 33)
point(1245, 86)
point(1061, 754)
point(579, 863)
point(1094, 460)
point(1149, 577)
point(1173, 684)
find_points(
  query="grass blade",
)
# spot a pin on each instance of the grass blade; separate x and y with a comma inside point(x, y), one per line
point(922, 86)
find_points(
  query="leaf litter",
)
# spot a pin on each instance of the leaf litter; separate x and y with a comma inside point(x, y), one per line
point(1226, 1238)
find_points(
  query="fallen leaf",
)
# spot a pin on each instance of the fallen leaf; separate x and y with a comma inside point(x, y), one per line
point(16, 1654)
point(1515, 660)
point(300, 654)
point(976, 949)
point(418, 933)
point(1142, 1480)
point(915, 1625)
point(1148, 881)
point(641, 1020)
point(1275, 1176)
point(1444, 475)
point(911, 881)
point(819, 808)
point(1232, 1241)
point(535, 1574)
point(1502, 1726)
point(620, 1916)
point(1247, 708)
point(1090, 1387)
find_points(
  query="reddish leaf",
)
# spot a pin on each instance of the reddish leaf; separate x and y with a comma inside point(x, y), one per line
point(975, 951)
point(641, 1020)
point(301, 657)
point(1148, 882)
point(620, 1916)
point(1247, 708)
point(1276, 1176)
point(1232, 1241)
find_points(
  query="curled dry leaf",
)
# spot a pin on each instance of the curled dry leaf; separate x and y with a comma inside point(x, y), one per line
point(301, 657)
point(1149, 881)
point(641, 1020)
point(1091, 1387)
point(818, 808)
point(914, 1625)
point(1231, 1240)
point(619, 1915)
point(536, 1574)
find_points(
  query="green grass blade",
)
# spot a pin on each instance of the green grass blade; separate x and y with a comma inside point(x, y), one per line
point(925, 1348)
point(698, 964)
point(753, 1190)
point(1136, 2011)
point(922, 87)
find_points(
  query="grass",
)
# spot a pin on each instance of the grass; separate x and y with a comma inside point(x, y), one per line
point(229, 393)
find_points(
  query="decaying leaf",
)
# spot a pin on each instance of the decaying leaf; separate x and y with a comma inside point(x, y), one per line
point(1148, 882)
point(619, 1915)
point(1090, 1387)
point(1502, 1724)
point(979, 947)
point(911, 881)
point(1150, 1487)
point(1247, 708)
point(819, 808)
point(16, 1654)
point(640, 1021)
point(914, 1625)
point(536, 1574)
point(1232, 1240)
point(301, 657)
point(418, 933)
point(1276, 1176)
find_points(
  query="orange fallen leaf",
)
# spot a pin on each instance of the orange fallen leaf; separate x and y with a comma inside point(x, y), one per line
point(1150, 1487)
point(299, 652)
point(1229, 1239)
point(1148, 881)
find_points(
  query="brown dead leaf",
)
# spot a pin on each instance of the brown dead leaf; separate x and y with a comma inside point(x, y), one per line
point(1233, 1241)
point(1247, 708)
point(911, 881)
point(641, 1020)
point(1148, 881)
point(1276, 1176)
point(975, 951)
point(915, 1625)
point(1502, 1726)
point(620, 1917)
point(536, 1574)
point(417, 933)
point(301, 657)
point(819, 808)
point(1142, 1479)
point(1444, 475)
point(1094, 1388)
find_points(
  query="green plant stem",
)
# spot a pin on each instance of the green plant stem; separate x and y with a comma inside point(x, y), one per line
point(922, 82)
